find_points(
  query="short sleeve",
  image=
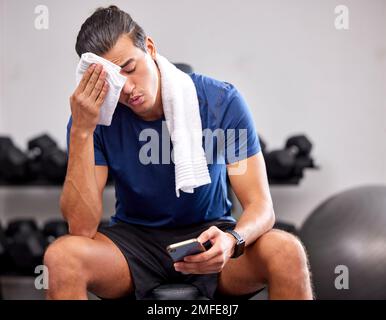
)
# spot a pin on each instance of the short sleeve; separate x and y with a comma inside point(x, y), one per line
point(241, 139)
point(99, 155)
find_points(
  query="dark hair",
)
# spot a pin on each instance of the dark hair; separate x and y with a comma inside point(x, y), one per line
point(100, 32)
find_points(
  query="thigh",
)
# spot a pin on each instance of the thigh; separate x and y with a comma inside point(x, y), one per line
point(272, 251)
point(112, 276)
point(99, 261)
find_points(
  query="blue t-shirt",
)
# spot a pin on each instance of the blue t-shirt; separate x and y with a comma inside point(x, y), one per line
point(145, 193)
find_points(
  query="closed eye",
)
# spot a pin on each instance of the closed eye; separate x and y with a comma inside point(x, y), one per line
point(130, 71)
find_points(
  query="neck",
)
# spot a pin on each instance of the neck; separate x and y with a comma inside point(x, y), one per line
point(155, 114)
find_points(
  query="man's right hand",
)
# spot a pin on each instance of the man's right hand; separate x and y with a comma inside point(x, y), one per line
point(87, 99)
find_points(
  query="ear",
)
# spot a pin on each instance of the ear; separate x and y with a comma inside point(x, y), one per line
point(151, 49)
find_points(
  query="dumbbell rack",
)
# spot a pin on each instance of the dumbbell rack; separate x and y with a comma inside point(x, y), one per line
point(38, 200)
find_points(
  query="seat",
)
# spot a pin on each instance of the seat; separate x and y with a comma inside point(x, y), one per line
point(176, 291)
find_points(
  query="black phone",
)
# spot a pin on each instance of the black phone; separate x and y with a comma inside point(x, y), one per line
point(178, 251)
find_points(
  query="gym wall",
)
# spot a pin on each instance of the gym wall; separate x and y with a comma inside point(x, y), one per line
point(295, 69)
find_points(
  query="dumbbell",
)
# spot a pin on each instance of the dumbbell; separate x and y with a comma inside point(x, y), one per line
point(4, 257)
point(2, 243)
point(286, 226)
point(263, 145)
point(26, 245)
point(13, 161)
point(54, 229)
point(46, 160)
point(290, 161)
point(184, 67)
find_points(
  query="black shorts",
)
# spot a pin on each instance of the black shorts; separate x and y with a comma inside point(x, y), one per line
point(145, 251)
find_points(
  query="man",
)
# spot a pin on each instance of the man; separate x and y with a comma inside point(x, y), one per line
point(129, 256)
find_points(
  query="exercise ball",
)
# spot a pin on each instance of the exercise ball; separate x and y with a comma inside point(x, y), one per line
point(345, 238)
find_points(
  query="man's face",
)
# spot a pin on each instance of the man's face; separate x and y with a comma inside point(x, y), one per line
point(141, 92)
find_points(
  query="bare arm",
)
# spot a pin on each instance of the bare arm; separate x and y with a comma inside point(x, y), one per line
point(252, 190)
point(81, 198)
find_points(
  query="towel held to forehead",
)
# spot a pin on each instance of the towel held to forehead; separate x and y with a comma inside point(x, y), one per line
point(115, 80)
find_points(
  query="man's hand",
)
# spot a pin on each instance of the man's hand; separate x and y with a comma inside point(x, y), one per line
point(87, 99)
point(213, 260)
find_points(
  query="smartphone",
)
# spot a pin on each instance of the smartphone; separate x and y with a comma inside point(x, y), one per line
point(179, 250)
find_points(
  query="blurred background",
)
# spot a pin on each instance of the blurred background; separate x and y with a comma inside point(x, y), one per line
point(299, 72)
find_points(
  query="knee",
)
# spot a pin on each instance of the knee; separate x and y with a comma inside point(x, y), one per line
point(63, 258)
point(284, 253)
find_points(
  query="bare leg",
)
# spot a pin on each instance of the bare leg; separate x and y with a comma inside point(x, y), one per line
point(276, 259)
point(78, 264)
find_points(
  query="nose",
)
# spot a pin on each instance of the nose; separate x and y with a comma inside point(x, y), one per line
point(128, 87)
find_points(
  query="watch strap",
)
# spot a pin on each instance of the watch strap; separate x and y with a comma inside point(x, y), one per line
point(240, 243)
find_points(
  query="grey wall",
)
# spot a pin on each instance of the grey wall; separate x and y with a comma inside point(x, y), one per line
point(298, 73)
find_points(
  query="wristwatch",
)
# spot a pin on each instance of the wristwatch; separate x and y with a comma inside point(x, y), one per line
point(240, 243)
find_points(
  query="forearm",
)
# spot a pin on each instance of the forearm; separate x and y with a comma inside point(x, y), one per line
point(80, 201)
point(256, 219)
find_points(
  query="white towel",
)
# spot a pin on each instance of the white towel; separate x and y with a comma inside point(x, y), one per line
point(182, 114)
point(115, 80)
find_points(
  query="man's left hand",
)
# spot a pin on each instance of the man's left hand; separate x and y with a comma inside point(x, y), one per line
point(212, 260)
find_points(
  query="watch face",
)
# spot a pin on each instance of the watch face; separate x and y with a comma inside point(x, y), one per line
point(240, 244)
point(239, 249)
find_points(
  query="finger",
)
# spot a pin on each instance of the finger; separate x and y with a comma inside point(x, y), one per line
point(102, 95)
point(93, 80)
point(205, 256)
point(86, 76)
point(188, 268)
point(208, 234)
point(98, 86)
